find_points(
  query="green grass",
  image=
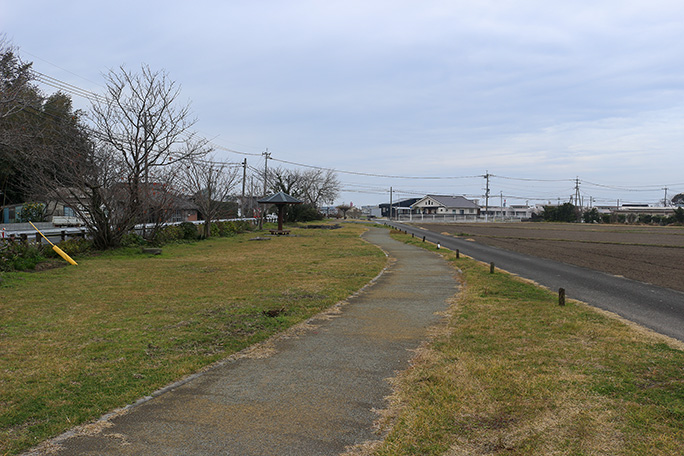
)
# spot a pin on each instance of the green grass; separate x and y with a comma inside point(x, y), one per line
point(513, 373)
point(80, 341)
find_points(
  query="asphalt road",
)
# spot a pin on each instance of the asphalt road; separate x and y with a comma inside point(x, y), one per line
point(660, 309)
point(313, 392)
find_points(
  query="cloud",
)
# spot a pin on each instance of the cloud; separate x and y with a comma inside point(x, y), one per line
point(399, 87)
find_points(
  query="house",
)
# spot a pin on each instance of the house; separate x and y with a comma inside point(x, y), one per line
point(10, 213)
point(445, 205)
point(512, 212)
point(398, 207)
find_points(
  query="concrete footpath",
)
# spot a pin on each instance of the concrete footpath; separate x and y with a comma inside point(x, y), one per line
point(313, 392)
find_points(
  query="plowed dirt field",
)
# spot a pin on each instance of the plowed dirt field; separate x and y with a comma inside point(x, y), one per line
point(651, 254)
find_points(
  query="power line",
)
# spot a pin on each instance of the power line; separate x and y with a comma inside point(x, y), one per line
point(358, 173)
point(66, 87)
point(92, 96)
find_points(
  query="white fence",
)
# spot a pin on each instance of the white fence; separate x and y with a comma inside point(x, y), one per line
point(453, 218)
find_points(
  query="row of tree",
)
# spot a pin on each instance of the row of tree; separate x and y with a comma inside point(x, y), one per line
point(126, 161)
point(570, 213)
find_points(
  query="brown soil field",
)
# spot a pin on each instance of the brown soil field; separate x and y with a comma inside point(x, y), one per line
point(650, 254)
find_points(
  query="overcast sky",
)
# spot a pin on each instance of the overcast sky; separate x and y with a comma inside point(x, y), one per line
point(536, 93)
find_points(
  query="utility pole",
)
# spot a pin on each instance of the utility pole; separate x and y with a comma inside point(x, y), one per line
point(266, 155)
point(578, 202)
point(665, 199)
point(486, 176)
point(390, 206)
point(244, 181)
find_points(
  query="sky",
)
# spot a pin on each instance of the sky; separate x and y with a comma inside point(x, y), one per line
point(421, 97)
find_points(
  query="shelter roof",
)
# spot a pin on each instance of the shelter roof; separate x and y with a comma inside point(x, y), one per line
point(280, 198)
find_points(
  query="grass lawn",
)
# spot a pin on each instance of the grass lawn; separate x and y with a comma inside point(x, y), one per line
point(79, 341)
point(512, 373)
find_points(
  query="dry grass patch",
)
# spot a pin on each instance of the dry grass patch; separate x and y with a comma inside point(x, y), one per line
point(516, 374)
point(77, 342)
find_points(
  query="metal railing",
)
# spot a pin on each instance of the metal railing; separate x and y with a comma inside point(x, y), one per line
point(24, 233)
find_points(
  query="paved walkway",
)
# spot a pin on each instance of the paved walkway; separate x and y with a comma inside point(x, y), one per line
point(314, 395)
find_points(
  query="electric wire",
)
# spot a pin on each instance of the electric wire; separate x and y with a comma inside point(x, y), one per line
point(94, 97)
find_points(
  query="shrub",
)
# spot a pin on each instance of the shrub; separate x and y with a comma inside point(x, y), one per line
point(214, 230)
point(32, 212)
point(19, 257)
point(132, 240)
point(229, 228)
point(74, 246)
point(303, 213)
point(171, 233)
point(646, 219)
point(591, 216)
point(189, 230)
point(566, 212)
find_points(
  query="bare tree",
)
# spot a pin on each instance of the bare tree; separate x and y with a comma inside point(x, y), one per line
point(142, 122)
point(314, 187)
point(320, 187)
point(210, 183)
point(344, 208)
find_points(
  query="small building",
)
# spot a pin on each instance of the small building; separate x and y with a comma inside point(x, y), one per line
point(445, 205)
point(512, 212)
point(398, 207)
point(371, 211)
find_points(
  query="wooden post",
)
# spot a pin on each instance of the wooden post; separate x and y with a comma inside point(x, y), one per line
point(491, 267)
point(423, 238)
point(561, 296)
point(458, 253)
point(39, 239)
point(63, 235)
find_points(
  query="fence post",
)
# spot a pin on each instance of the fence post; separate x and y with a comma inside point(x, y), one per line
point(39, 239)
point(491, 267)
point(63, 235)
point(458, 253)
point(561, 296)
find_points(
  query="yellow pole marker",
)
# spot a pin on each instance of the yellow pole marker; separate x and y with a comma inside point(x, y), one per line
point(59, 251)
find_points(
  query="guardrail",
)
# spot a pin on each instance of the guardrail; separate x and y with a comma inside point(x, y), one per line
point(55, 235)
point(58, 234)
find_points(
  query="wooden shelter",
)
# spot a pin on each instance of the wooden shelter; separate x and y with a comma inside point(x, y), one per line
point(280, 200)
